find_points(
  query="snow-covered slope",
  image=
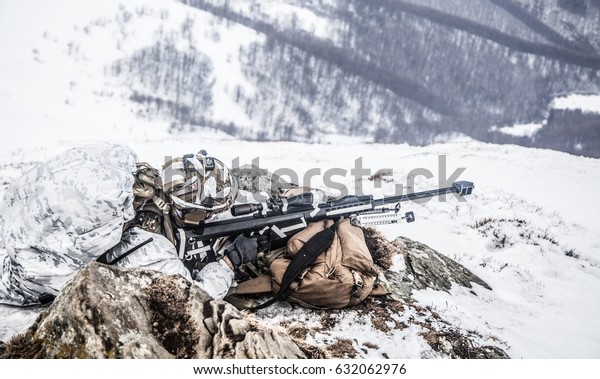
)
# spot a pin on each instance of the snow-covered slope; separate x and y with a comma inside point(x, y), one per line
point(58, 81)
point(529, 230)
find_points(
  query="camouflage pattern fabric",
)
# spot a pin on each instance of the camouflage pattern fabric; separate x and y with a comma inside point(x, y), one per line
point(61, 215)
point(160, 255)
point(199, 183)
point(68, 211)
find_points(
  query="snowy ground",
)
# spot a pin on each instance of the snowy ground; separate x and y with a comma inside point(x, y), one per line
point(529, 230)
point(536, 241)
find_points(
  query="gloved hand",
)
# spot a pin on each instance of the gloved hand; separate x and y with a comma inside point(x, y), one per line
point(243, 249)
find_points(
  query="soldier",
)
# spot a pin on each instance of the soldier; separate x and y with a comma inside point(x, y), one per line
point(84, 205)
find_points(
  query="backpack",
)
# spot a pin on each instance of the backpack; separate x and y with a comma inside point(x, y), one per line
point(341, 275)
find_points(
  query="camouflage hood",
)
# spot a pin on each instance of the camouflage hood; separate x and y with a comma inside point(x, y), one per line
point(61, 215)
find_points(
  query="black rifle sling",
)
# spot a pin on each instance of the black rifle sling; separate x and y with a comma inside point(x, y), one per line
point(104, 257)
point(315, 246)
point(46, 298)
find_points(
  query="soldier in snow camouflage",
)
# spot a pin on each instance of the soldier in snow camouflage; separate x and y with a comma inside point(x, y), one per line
point(70, 210)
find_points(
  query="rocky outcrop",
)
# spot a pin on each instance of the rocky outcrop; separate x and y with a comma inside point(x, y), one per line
point(110, 312)
point(424, 267)
point(429, 269)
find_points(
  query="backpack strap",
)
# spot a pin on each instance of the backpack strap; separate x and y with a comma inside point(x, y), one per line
point(314, 247)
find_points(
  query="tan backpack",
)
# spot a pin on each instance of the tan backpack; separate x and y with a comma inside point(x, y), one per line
point(341, 276)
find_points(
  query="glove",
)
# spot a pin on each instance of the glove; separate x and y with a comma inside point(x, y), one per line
point(243, 249)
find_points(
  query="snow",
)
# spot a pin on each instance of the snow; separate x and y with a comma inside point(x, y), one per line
point(586, 103)
point(58, 65)
point(543, 303)
point(540, 204)
point(287, 13)
point(519, 130)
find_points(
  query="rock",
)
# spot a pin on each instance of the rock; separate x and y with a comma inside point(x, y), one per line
point(254, 179)
point(267, 344)
point(430, 269)
point(401, 286)
point(384, 174)
point(425, 267)
point(456, 345)
point(111, 312)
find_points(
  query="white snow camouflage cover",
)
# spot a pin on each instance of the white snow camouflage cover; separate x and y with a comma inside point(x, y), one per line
point(69, 210)
point(61, 215)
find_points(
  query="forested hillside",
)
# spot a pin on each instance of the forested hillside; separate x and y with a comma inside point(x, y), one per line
point(412, 71)
point(407, 71)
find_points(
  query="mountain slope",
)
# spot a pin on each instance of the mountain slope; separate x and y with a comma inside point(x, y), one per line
point(303, 71)
point(528, 231)
point(428, 68)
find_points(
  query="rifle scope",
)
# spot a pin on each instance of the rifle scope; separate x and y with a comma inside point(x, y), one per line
point(281, 205)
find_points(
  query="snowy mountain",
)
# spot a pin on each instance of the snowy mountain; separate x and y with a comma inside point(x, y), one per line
point(300, 70)
point(82, 71)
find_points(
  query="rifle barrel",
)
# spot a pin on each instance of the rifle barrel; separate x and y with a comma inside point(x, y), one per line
point(462, 188)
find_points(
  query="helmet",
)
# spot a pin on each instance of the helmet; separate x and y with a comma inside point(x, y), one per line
point(199, 186)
